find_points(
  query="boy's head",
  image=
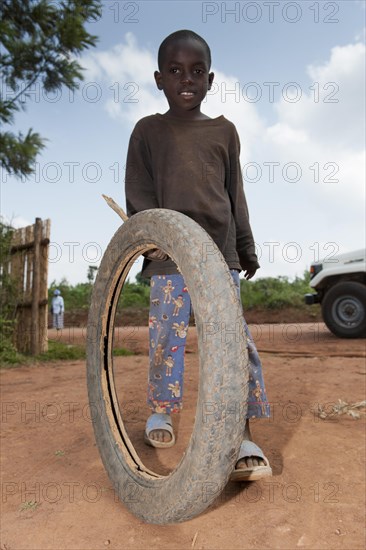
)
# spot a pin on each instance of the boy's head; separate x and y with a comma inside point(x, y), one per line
point(184, 60)
point(182, 36)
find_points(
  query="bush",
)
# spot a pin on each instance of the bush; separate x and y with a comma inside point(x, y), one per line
point(8, 354)
point(8, 300)
point(76, 297)
point(266, 293)
point(274, 292)
point(135, 294)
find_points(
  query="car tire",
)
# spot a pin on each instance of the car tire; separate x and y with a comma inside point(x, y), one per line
point(218, 430)
point(344, 309)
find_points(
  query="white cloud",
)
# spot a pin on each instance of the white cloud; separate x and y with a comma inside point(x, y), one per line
point(129, 70)
point(125, 62)
point(334, 110)
point(283, 135)
point(329, 137)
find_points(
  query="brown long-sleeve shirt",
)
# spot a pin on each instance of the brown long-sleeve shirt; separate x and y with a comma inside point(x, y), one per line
point(191, 166)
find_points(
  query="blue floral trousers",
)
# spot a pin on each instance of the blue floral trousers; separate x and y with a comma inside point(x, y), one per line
point(170, 307)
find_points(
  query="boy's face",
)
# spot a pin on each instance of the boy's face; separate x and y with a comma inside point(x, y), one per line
point(185, 77)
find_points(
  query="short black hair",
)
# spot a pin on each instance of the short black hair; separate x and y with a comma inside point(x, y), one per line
point(182, 35)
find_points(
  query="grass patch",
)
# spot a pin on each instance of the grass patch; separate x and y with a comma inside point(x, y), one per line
point(59, 351)
point(118, 352)
point(29, 505)
point(9, 356)
point(59, 453)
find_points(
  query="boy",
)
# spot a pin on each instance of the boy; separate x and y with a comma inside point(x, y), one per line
point(185, 161)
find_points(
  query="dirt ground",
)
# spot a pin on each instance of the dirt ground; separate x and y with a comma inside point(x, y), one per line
point(57, 495)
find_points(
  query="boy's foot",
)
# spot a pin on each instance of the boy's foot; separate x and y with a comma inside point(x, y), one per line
point(159, 431)
point(252, 464)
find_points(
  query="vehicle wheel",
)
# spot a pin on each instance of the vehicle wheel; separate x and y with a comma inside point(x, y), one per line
point(213, 448)
point(344, 309)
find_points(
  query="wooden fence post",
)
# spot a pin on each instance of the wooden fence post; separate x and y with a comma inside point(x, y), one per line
point(35, 340)
point(28, 267)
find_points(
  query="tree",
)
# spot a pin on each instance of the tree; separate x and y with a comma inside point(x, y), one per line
point(8, 295)
point(91, 273)
point(140, 280)
point(7, 286)
point(38, 44)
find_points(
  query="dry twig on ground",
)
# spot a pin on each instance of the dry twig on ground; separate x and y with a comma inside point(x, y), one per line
point(341, 407)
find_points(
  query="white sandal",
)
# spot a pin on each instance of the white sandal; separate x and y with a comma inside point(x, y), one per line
point(159, 421)
point(249, 449)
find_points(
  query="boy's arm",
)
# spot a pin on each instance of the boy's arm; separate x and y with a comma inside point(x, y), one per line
point(244, 237)
point(139, 185)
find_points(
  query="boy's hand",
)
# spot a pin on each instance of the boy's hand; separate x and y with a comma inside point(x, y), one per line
point(156, 255)
point(250, 272)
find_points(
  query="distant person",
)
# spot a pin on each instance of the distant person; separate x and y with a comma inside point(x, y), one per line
point(57, 310)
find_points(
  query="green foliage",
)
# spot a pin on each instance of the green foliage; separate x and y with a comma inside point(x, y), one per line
point(7, 284)
point(274, 292)
point(142, 280)
point(119, 352)
point(135, 294)
point(39, 40)
point(78, 296)
point(58, 351)
point(8, 354)
point(16, 151)
point(92, 269)
point(75, 297)
point(8, 299)
point(266, 293)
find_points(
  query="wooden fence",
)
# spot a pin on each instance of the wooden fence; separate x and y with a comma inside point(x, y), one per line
point(28, 266)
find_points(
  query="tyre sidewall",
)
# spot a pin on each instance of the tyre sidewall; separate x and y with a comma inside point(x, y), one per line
point(221, 406)
point(344, 289)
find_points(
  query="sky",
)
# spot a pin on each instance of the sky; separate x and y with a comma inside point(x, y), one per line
point(290, 75)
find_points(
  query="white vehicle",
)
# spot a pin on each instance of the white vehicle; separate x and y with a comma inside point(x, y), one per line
point(340, 283)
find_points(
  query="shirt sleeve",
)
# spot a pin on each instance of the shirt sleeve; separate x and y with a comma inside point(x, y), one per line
point(244, 237)
point(139, 185)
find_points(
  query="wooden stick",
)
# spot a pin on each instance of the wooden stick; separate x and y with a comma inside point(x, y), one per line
point(122, 214)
